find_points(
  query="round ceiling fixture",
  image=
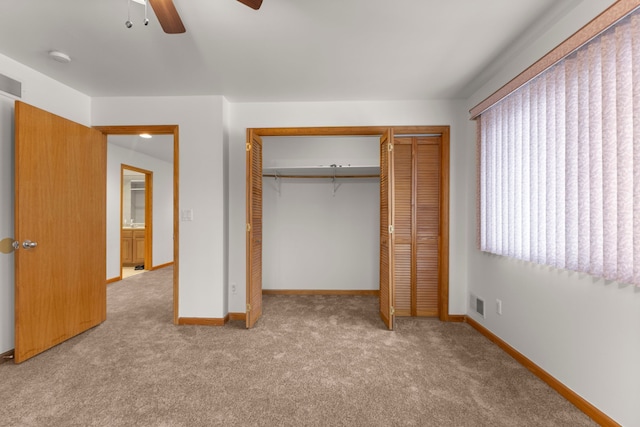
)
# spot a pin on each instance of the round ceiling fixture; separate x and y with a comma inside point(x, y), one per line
point(145, 135)
point(60, 56)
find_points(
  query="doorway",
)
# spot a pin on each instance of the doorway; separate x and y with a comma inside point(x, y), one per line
point(136, 216)
point(153, 130)
point(254, 149)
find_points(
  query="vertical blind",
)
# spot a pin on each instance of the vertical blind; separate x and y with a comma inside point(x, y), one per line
point(560, 162)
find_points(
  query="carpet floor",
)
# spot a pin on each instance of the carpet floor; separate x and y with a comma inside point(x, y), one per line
point(310, 361)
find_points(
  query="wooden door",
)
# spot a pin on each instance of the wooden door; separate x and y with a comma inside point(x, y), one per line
point(403, 226)
point(417, 184)
point(427, 225)
point(254, 228)
point(60, 204)
point(387, 270)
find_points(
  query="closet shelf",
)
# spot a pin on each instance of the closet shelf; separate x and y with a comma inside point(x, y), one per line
point(331, 171)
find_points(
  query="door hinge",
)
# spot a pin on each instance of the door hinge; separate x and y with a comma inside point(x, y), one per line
point(392, 311)
point(248, 227)
point(390, 147)
point(391, 229)
point(248, 308)
point(248, 147)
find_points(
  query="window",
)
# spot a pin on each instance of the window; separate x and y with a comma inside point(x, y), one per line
point(559, 175)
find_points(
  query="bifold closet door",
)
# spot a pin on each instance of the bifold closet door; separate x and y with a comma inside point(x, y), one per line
point(387, 266)
point(427, 225)
point(417, 172)
point(403, 226)
point(254, 229)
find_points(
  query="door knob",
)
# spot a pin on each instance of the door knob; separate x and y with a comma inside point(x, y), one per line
point(28, 244)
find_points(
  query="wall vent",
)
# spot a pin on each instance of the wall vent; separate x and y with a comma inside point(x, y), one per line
point(476, 304)
point(10, 86)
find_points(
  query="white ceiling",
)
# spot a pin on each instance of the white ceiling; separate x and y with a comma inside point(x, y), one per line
point(289, 50)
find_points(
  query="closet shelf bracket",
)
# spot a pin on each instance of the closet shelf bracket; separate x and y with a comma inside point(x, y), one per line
point(334, 181)
point(278, 182)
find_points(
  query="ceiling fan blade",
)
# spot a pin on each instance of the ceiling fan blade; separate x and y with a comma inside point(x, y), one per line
point(253, 4)
point(168, 16)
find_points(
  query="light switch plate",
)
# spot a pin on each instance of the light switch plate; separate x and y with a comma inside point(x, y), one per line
point(186, 215)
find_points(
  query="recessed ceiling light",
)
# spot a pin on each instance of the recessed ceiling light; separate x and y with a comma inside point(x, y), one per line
point(60, 57)
point(145, 135)
point(139, 1)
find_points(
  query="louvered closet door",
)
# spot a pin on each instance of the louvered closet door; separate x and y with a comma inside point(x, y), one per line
point(417, 168)
point(403, 185)
point(427, 224)
point(254, 229)
point(387, 266)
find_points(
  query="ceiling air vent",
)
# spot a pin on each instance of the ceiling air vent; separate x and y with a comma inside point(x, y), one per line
point(10, 86)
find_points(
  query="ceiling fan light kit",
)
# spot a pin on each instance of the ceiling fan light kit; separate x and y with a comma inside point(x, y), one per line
point(128, 23)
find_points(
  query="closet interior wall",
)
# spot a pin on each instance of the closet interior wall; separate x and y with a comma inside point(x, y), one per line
point(320, 233)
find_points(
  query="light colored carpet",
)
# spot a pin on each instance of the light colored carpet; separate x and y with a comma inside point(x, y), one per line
point(310, 361)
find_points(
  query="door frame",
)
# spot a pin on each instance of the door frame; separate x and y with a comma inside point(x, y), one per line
point(443, 280)
point(148, 213)
point(161, 130)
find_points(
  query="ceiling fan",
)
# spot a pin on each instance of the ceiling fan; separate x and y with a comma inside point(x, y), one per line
point(169, 19)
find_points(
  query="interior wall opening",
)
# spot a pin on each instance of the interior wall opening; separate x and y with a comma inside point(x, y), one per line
point(136, 215)
point(159, 155)
point(321, 214)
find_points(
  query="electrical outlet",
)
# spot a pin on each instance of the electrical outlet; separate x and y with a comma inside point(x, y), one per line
point(499, 306)
point(233, 288)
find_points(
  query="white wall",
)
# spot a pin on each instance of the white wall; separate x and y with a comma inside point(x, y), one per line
point(45, 93)
point(7, 268)
point(314, 237)
point(397, 113)
point(225, 202)
point(201, 181)
point(583, 331)
point(162, 205)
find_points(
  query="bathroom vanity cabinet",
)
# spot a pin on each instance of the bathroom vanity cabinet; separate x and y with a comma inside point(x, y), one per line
point(132, 246)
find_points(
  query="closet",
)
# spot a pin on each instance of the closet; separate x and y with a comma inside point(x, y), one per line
point(409, 253)
point(417, 174)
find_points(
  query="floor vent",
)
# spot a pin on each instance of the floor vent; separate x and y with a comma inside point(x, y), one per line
point(477, 304)
point(10, 86)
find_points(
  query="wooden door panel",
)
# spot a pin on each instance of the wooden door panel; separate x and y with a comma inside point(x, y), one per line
point(427, 278)
point(403, 278)
point(417, 184)
point(254, 229)
point(403, 224)
point(403, 188)
point(126, 245)
point(138, 249)
point(428, 198)
point(60, 204)
point(428, 187)
point(387, 262)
